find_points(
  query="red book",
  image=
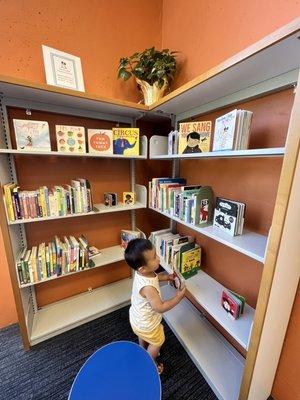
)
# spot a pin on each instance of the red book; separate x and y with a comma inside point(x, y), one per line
point(229, 305)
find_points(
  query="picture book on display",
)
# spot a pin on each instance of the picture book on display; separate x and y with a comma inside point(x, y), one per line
point(229, 216)
point(128, 198)
point(100, 141)
point(233, 303)
point(194, 137)
point(32, 135)
point(126, 141)
point(127, 235)
point(232, 130)
point(70, 139)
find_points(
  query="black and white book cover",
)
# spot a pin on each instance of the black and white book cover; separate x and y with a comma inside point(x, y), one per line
point(226, 215)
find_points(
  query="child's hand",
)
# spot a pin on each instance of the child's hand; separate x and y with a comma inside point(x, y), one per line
point(171, 277)
point(181, 292)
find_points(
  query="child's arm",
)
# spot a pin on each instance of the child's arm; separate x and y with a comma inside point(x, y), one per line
point(155, 301)
point(165, 277)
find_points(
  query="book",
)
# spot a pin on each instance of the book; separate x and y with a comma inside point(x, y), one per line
point(179, 281)
point(224, 133)
point(70, 139)
point(32, 135)
point(100, 141)
point(190, 260)
point(194, 137)
point(127, 235)
point(128, 198)
point(233, 303)
point(229, 216)
point(110, 199)
point(126, 141)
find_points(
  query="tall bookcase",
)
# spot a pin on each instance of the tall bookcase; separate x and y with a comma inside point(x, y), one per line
point(238, 358)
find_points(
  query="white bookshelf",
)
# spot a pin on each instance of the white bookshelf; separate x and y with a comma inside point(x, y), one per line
point(109, 255)
point(141, 196)
point(207, 291)
point(159, 151)
point(219, 363)
point(67, 314)
point(142, 156)
point(249, 243)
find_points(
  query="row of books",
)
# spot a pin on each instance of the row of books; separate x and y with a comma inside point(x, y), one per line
point(194, 204)
point(190, 203)
point(179, 252)
point(74, 198)
point(231, 132)
point(233, 303)
point(58, 257)
point(35, 136)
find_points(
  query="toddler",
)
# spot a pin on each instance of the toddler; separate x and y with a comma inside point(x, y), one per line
point(146, 309)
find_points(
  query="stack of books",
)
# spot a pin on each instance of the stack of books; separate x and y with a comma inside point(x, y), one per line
point(232, 130)
point(233, 303)
point(58, 257)
point(229, 216)
point(190, 203)
point(180, 253)
point(62, 200)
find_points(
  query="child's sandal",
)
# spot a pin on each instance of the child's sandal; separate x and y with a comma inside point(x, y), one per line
point(160, 367)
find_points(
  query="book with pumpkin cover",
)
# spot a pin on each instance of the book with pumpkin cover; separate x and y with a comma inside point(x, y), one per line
point(126, 141)
point(194, 137)
point(100, 141)
point(70, 139)
point(190, 260)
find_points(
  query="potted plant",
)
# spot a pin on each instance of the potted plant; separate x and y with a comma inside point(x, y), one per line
point(152, 69)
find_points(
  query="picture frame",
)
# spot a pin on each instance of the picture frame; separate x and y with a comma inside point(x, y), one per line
point(63, 69)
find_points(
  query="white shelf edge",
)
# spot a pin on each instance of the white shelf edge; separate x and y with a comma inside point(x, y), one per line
point(67, 314)
point(220, 364)
point(239, 329)
point(109, 255)
point(237, 242)
point(250, 153)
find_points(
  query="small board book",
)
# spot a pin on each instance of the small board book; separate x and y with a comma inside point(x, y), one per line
point(179, 281)
point(70, 139)
point(233, 303)
point(110, 199)
point(229, 216)
point(32, 135)
point(190, 260)
point(128, 198)
point(127, 235)
point(194, 137)
point(100, 141)
point(126, 141)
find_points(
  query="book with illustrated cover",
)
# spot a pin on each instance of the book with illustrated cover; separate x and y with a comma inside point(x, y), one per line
point(233, 303)
point(70, 139)
point(127, 235)
point(229, 216)
point(100, 141)
point(126, 141)
point(194, 137)
point(190, 260)
point(224, 134)
point(128, 198)
point(179, 281)
point(32, 135)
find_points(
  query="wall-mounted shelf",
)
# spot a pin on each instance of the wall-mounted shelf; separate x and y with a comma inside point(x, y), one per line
point(159, 151)
point(220, 364)
point(108, 256)
point(142, 156)
point(59, 317)
point(141, 195)
point(251, 244)
point(207, 291)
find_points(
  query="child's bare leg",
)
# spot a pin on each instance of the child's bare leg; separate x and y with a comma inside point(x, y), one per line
point(143, 343)
point(153, 351)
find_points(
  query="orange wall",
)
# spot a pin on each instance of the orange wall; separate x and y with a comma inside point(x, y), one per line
point(208, 32)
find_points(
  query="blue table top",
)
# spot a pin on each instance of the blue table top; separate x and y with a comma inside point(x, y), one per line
point(118, 371)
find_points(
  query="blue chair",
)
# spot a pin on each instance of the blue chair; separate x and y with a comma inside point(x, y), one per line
point(118, 371)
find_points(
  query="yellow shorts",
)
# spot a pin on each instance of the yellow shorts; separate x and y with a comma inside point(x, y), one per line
point(155, 337)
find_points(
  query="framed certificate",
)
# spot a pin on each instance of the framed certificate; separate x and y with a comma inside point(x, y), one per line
point(62, 69)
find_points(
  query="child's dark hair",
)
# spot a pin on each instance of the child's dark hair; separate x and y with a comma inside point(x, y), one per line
point(193, 135)
point(134, 253)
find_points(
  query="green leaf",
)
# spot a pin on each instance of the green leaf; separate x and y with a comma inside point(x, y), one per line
point(123, 74)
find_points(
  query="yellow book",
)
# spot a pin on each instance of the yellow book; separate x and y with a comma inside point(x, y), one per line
point(190, 261)
point(194, 137)
point(33, 263)
point(42, 200)
point(8, 200)
point(126, 141)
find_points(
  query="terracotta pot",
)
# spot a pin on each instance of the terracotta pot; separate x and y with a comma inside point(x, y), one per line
point(151, 93)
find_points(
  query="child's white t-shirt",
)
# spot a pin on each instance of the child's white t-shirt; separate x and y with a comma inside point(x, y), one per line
point(141, 314)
